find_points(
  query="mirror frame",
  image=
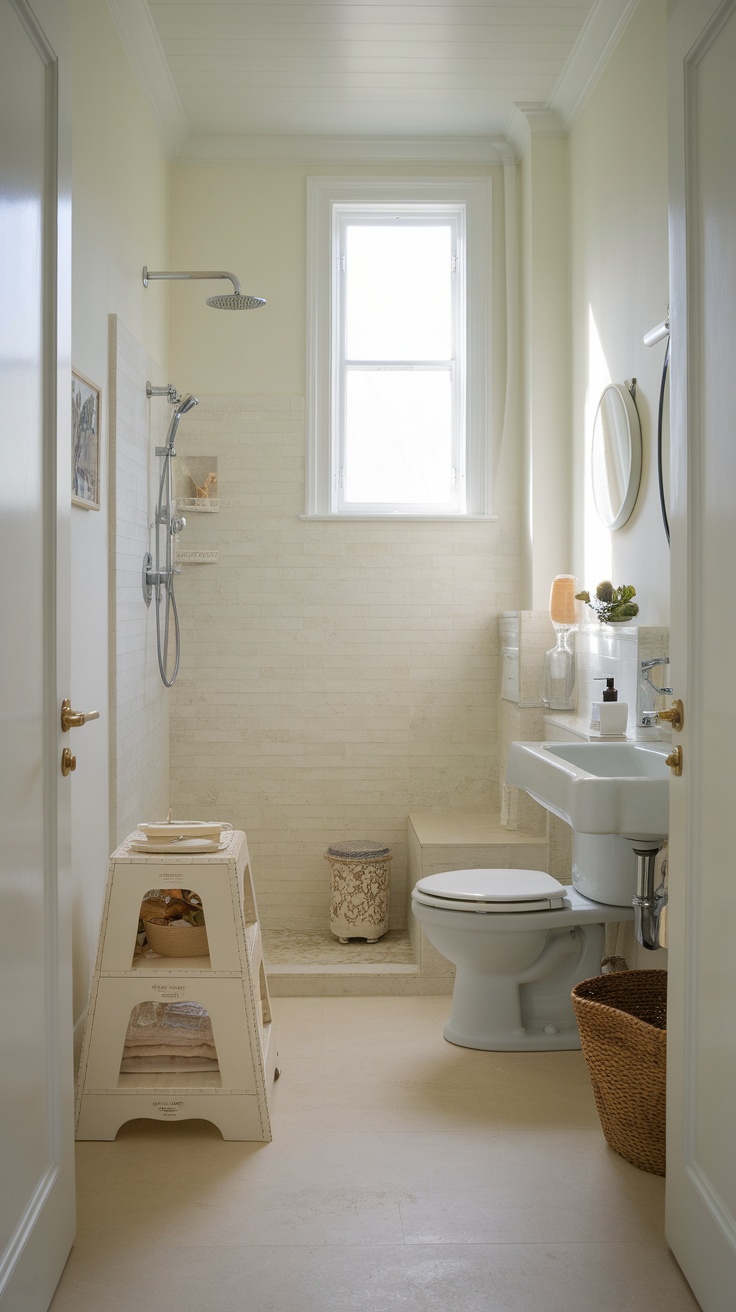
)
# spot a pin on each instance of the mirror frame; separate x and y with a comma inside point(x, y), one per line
point(631, 458)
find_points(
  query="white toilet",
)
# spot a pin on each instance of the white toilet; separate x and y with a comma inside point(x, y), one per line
point(520, 941)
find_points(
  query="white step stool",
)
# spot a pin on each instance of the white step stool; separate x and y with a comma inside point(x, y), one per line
point(230, 984)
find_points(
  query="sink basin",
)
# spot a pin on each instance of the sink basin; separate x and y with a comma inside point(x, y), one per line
point(598, 788)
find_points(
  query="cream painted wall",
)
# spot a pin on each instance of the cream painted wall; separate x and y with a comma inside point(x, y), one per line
point(619, 288)
point(251, 219)
point(333, 675)
point(120, 216)
point(545, 280)
point(618, 209)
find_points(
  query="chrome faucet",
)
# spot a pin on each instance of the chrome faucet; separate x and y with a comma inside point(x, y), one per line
point(648, 690)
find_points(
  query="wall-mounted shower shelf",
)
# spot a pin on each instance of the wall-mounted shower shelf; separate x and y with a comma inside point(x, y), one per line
point(199, 505)
point(197, 557)
point(230, 984)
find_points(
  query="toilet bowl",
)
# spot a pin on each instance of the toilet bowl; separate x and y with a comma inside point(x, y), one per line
point(520, 941)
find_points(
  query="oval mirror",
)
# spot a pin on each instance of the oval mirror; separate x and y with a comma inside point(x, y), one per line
point(616, 455)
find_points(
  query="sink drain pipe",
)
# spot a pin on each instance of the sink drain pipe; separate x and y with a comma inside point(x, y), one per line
point(648, 900)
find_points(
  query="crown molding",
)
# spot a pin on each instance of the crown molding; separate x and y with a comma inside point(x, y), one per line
point(143, 48)
point(597, 41)
point(531, 120)
point(369, 150)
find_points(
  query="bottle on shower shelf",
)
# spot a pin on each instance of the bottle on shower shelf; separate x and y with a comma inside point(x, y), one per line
point(558, 685)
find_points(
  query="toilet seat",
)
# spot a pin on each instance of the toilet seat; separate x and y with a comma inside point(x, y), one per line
point(491, 891)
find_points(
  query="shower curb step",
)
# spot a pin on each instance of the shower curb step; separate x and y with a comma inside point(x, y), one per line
point(378, 980)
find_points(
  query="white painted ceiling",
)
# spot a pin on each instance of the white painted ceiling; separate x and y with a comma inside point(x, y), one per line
point(362, 68)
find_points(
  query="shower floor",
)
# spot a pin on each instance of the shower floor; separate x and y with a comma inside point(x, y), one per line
point(301, 964)
point(291, 947)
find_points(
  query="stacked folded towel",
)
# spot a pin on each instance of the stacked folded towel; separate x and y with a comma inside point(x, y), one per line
point(169, 1036)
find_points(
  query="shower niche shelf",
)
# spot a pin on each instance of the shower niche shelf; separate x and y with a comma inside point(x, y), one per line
point(197, 485)
point(229, 986)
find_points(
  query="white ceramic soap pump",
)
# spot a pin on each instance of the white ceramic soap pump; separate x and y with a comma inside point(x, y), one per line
point(609, 716)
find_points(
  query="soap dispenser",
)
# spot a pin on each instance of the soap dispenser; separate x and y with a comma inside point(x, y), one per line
point(611, 714)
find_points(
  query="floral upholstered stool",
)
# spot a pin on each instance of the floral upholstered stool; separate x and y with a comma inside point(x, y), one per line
point(361, 882)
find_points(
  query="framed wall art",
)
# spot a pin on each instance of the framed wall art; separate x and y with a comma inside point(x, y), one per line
point(86, 404)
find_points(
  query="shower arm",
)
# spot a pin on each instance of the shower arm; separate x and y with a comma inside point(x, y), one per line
point(150, 275)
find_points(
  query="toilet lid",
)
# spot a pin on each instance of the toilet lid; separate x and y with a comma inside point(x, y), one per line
point(494, 886)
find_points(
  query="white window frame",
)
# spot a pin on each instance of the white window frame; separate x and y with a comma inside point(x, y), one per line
point(327, 200)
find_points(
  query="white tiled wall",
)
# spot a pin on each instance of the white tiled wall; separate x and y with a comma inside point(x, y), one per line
point(606, 650)
point(139, 703)
point(334, 676)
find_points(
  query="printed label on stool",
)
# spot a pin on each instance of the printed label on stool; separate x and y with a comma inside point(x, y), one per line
point(168, 1109)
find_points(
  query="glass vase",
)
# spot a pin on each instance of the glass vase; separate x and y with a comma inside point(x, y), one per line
point(558, 684)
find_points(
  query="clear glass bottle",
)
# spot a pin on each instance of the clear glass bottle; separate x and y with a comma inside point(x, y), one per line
point(558, 684)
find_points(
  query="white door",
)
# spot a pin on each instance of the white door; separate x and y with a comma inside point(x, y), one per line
point(36, 1125)
point(701, 1148)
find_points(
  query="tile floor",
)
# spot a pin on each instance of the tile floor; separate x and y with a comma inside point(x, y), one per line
point(406, 1175)
point(293, 947)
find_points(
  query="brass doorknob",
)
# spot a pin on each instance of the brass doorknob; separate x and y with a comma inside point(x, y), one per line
point(674, 760)
point(675, 715)
point(75, 719)
point(68, 762)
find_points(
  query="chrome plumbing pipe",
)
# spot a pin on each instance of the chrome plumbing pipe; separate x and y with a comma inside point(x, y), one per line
point(648, 901)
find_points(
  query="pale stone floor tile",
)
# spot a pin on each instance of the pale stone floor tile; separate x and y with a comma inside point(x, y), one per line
point(432, 1278)
point(321, 948)
point(405, 1173)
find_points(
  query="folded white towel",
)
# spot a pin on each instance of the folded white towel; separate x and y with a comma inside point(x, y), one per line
point(162, 1065)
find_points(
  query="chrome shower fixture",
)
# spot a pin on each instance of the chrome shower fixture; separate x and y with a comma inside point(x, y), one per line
point(235, 300)
point(169, 391)
point(159, 567)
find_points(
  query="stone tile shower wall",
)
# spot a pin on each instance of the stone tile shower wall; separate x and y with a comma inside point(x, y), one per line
point(139, 722)
point(334, 676)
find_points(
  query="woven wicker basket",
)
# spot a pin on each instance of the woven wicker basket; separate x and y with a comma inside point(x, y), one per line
point(622, 1020)
point(177, 939)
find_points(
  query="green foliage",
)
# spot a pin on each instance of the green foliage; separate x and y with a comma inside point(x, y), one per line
point(611, 605)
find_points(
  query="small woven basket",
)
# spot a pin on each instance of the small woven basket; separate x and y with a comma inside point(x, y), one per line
point(177, 939)
point(622, 1019)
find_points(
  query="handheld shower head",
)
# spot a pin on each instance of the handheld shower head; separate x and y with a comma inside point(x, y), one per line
point(186, 404)
point(235, 300)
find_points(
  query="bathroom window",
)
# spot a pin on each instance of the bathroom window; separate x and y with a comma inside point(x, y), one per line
point(398, 303)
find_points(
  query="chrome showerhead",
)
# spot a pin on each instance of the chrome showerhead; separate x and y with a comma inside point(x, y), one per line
point(235, 301)
point(184, 406)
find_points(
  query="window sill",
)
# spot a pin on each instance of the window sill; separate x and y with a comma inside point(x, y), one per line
point(404, 519)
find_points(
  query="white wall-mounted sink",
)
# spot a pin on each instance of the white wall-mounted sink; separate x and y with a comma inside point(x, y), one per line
point(598, 788)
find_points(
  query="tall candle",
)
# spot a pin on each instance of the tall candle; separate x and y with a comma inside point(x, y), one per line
point(562, 608)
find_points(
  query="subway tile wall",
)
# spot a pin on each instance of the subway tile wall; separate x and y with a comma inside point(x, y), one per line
point(139, 729)
point(334, 676)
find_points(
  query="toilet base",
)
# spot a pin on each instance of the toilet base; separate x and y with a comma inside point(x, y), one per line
point(501, 1013)
point(526, 1042)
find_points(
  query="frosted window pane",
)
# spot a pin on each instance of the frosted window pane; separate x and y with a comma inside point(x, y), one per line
point(399, 437)
point(398, 293)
